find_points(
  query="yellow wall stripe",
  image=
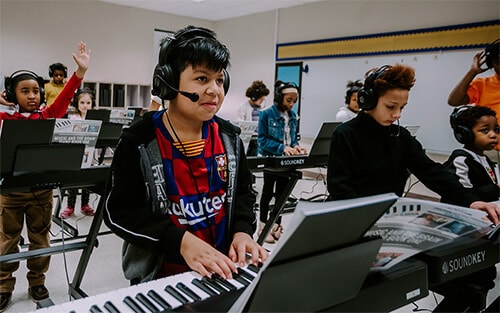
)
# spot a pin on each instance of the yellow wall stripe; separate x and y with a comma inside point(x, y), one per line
point(444, 38)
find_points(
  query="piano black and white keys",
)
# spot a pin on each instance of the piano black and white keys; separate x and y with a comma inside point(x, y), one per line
point(165, 294)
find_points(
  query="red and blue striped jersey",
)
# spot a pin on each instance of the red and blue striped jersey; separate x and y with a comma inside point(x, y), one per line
point(196, 185)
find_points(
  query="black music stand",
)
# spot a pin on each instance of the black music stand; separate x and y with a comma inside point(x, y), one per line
point(321, 260)
point(15, 132)
point(52, 157)
point(98, 115)
point(108, 137)
point(59, 157)
point(30, 162)
point(320, 148)
point(26, 150)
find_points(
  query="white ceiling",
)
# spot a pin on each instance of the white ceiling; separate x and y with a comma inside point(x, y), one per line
point(212, 10)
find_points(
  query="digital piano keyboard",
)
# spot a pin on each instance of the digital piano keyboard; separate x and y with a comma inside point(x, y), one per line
point(186, 292)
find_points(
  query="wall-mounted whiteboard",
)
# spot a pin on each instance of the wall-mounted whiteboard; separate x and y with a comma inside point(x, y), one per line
point(324, 86)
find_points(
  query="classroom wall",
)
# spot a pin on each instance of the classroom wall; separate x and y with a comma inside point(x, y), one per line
point(34, 34)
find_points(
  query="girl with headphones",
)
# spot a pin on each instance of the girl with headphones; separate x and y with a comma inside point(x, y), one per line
point(25, 90)
point(182, 194)
point(82, 102)
point(351, 109)
point(277, 135)
point(58, 73)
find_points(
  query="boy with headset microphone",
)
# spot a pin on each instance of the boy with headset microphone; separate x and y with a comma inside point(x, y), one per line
point(25, 90)
point(181, 194)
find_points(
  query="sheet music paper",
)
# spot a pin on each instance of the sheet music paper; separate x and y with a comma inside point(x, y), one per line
point(121, 116)
point(415, 225)
point(78, 131)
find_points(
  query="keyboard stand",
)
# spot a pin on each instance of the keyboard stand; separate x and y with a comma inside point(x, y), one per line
point(92, 178)
point(57, 219)
point(279, 205)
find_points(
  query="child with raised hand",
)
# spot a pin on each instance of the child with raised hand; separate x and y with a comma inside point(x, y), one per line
point(181, 194)
point(25, 90)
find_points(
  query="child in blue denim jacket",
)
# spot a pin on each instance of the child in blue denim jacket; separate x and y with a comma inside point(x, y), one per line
point(277, 135)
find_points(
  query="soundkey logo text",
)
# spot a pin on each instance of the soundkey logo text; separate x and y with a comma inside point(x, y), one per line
point(463, 262)
point(292, 162)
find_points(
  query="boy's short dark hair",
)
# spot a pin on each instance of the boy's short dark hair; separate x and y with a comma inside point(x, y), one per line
point(467, 116)
point(15, 78)
point(195, 46)
point(463, 119)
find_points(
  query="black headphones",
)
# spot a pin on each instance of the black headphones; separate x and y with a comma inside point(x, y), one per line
point(367, 97)
point(463, 134)
point(58, 66)
point(278, 91)
point(491, 52)
point(166, 77)
point(10, 92)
